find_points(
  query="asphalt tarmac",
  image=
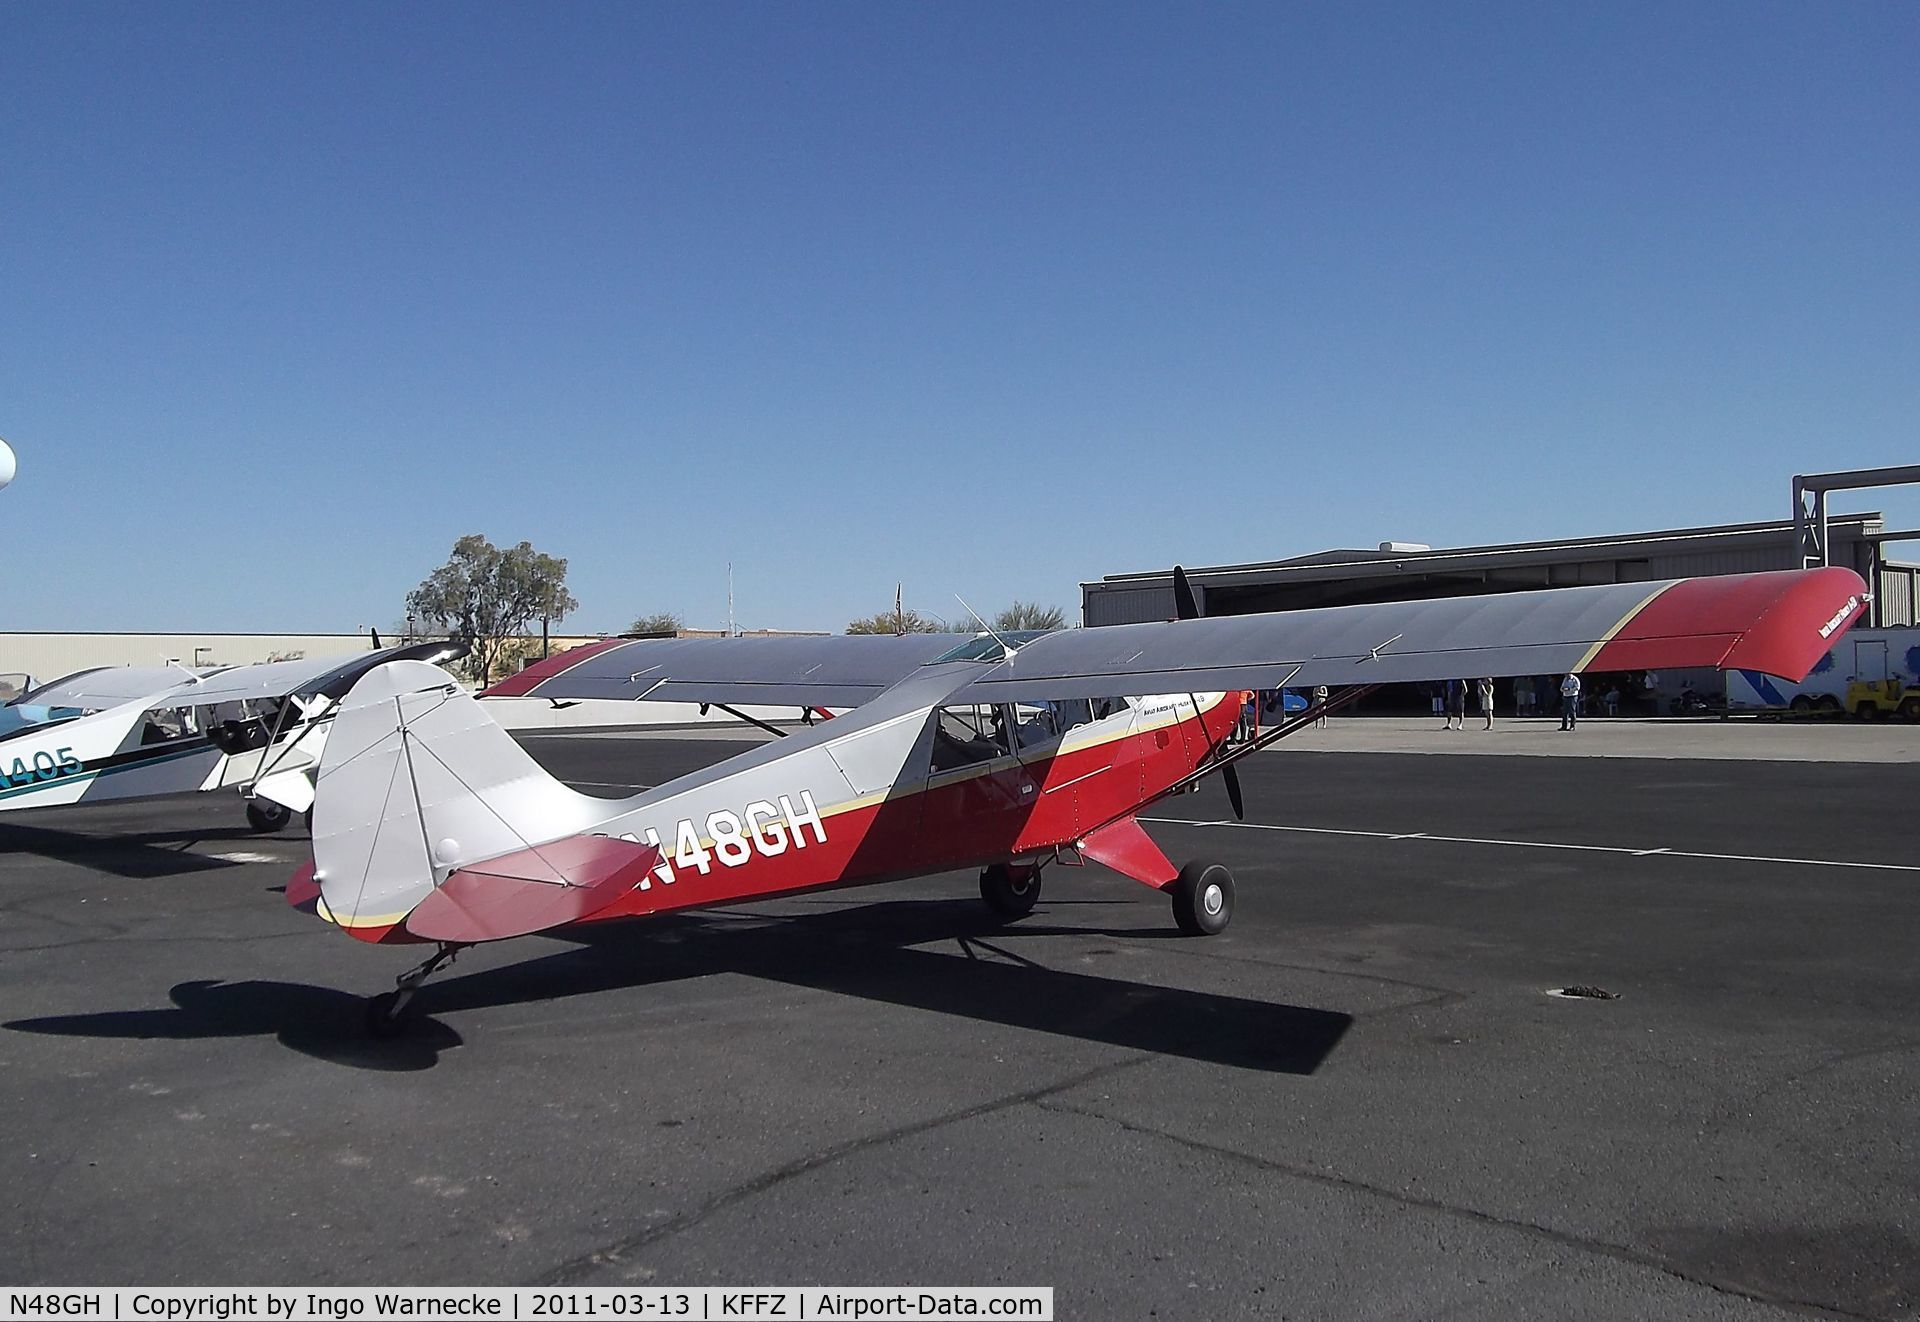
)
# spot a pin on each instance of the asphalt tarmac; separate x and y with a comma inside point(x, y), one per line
point(1359, 1102)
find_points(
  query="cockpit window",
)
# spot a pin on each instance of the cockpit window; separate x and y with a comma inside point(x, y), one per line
point(965, 735)
point(163, 725)
point(985, 647)
point(13, 685)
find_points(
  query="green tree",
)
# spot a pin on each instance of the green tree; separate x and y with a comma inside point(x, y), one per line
point(1029, 615)
point(897, 621)
point(658, 622)
point(489, 596)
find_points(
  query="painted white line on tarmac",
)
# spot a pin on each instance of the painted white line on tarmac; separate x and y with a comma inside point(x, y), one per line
point(1628, 850)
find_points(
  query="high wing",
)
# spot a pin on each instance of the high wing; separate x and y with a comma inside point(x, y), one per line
point(109, 686)
point(1778, 623)
point(841, 670)
point(113, 686)
point(330, 676)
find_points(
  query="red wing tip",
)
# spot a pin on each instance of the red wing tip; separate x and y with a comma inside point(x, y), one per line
point(517, 686)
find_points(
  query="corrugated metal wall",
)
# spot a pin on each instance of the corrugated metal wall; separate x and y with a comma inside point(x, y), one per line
point(47, 656)
point(1127, 605)
point(1896, 595)
point(1705, 564)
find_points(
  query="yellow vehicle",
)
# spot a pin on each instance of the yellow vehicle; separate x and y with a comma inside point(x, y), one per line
point(1871, 699)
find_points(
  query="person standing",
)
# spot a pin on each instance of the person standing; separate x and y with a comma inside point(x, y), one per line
point(1569, 702)
point(1523, 695)
point(1485, 687)
point(1320, 704)
point(1456, 696)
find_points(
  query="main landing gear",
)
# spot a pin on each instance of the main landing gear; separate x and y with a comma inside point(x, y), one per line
point(264, 815)
point(390, 1013)
point(1202, 895)
point(1203, 898)
point(1009, 890)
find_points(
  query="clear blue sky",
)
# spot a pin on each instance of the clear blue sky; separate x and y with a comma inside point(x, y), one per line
point(986, 298)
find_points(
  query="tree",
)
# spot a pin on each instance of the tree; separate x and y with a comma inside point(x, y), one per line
point(487, 596)
point(658, 622)
point(1029, 615)
point(898, 620)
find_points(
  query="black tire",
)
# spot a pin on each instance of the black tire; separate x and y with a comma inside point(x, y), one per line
point(1801, 705)
point(263, 816)
point(1010, 894)
point(382, 1021)
point(1866, 711)
point(1203, 898)
point(1828, 704)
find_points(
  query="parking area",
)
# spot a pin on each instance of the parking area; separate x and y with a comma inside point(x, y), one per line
point(1361, 1101)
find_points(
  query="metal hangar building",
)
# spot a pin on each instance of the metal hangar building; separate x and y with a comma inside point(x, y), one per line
point(1399, 571)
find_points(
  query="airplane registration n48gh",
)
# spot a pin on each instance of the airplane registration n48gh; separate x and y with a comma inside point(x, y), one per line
point(1006, 754)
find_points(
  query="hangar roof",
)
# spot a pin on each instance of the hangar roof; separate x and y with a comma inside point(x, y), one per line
point(1345, 562)
point(1343, 576)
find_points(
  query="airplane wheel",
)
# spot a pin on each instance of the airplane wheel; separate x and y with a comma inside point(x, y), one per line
point(264, 816)
point(1203, 898)
point(1010, 893)
point(383, 1022)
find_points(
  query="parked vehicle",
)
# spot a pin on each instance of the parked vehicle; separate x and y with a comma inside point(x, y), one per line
point(1867, 673)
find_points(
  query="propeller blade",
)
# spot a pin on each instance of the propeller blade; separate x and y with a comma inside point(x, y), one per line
point(1185, 605)
point(1231, 775)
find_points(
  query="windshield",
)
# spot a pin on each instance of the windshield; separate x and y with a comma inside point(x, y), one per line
point(985, 647)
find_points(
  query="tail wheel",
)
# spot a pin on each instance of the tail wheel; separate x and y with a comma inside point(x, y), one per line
point(264, 816)
point(1009, 891)
point(1203, 898)
point(387, 1016)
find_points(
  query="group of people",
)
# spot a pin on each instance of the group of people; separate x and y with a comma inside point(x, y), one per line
point(1452, 700)
point(1256, 707)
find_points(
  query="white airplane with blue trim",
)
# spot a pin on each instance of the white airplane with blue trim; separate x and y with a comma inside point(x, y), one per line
point(130, 732)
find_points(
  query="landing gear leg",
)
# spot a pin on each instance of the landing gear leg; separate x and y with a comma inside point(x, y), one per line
point(389, 1014)
point(1203, 898)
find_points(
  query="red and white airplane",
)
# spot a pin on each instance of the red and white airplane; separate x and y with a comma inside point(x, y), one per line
point(1006, 754)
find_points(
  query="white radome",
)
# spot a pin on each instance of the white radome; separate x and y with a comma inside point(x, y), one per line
point(7, 466)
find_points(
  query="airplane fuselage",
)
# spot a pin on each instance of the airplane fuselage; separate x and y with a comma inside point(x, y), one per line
point(859, 799)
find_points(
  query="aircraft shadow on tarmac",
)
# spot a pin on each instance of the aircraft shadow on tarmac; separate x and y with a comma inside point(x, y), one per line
point(139, 855)
point(864, 952)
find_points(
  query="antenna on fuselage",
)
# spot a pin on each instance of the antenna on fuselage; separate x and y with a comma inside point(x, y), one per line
point(1008, 647)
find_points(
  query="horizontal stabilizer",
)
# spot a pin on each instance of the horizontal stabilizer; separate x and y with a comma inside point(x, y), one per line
point(303, 892)
point(532, 890)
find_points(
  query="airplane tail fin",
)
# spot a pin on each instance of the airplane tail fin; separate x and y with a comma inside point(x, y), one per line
point(418, 783)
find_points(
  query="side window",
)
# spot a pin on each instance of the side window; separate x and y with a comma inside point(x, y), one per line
point(163, 725)
point(1035, 723)
point(963, 736)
